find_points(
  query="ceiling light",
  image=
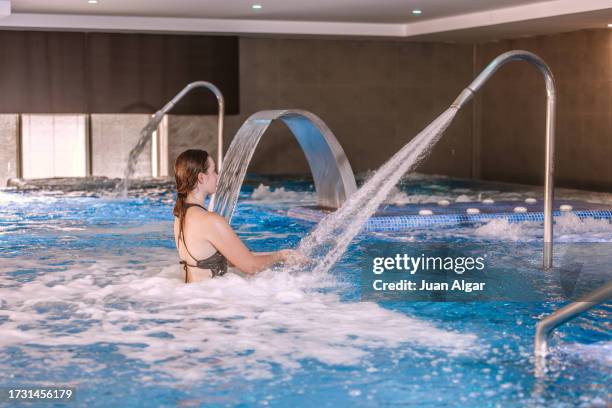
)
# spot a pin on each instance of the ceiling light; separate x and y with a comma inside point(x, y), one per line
point(416, 12)
point(256, 6)
point(92, 1)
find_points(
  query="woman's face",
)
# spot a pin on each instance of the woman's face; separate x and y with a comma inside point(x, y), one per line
point(208, 180)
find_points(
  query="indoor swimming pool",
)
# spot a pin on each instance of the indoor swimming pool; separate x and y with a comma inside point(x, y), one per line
point(93, 299)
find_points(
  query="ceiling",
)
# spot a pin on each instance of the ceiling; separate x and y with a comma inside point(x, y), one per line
point(358, 11)
point(446, 20)
point(524, 28)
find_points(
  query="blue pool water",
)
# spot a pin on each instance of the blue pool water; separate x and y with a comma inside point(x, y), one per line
point(91, 297)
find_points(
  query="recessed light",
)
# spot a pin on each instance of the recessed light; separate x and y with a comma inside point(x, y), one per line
point(92, 1)
point(256, 6)
point(416, 12)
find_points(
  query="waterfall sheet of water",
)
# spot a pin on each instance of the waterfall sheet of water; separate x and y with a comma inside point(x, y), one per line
point(331, 237)
point(235, 166)
point(145, 136)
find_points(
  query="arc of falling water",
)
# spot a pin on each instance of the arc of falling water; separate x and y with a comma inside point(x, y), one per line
point(147, 131)
point(335, 232)
point(333, 176)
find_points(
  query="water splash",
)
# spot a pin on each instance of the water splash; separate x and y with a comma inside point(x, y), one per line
point(568, 228)
point(331, 237)
point(234, 326)
point(270, 195)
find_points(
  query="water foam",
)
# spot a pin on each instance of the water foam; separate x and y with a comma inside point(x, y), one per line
point(567, 228)
point(237, 325)
point(599, 353)
point(266, 194)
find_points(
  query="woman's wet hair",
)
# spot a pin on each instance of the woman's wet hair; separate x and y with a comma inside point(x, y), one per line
point(187, 166)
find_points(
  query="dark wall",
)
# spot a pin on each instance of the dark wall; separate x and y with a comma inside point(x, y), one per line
point(375, 95)
point(56, 72)
point(42, 72)
point(513, 111)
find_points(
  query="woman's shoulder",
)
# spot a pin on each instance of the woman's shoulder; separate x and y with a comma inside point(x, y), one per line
point(207, 225)
point(214, 219)
point(201, 216)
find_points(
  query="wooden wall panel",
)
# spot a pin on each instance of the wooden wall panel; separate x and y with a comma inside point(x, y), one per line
point(56, 72)
point(42, 72)
point(185, 58)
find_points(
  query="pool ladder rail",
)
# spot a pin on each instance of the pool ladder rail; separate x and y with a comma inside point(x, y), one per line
point(547, 325)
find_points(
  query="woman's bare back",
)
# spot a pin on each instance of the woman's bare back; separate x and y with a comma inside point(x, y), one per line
point(199, 247)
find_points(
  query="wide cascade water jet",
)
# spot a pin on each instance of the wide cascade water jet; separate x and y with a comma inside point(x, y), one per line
point(236, 163)
point(331, 237)
point(333, 177)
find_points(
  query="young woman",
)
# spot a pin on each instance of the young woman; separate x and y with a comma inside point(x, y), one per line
point(204, 240)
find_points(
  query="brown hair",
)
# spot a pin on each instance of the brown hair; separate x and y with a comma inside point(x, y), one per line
point(187, 166)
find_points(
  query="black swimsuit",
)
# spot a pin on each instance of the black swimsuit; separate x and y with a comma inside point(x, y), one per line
point(216, 262)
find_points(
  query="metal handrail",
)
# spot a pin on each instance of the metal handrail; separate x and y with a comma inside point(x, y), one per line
point(546, 326)
point(468, 93)
point(221, 102)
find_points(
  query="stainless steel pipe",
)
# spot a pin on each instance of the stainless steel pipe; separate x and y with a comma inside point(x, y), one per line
point(221, 102)
point(549, 160)
point(567, 313)
point(331, 171)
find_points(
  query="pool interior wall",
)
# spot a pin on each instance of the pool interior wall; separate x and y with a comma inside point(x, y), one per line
point(91, 296)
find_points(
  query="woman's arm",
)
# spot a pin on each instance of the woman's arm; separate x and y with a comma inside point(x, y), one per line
point(222, 236)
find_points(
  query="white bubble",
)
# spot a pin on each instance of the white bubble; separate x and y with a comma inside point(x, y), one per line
point(280, 318)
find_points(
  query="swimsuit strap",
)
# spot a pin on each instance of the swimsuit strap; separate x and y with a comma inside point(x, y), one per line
point(185, 265)
point(189, 205)
point(182, 233)
point(216, 262)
